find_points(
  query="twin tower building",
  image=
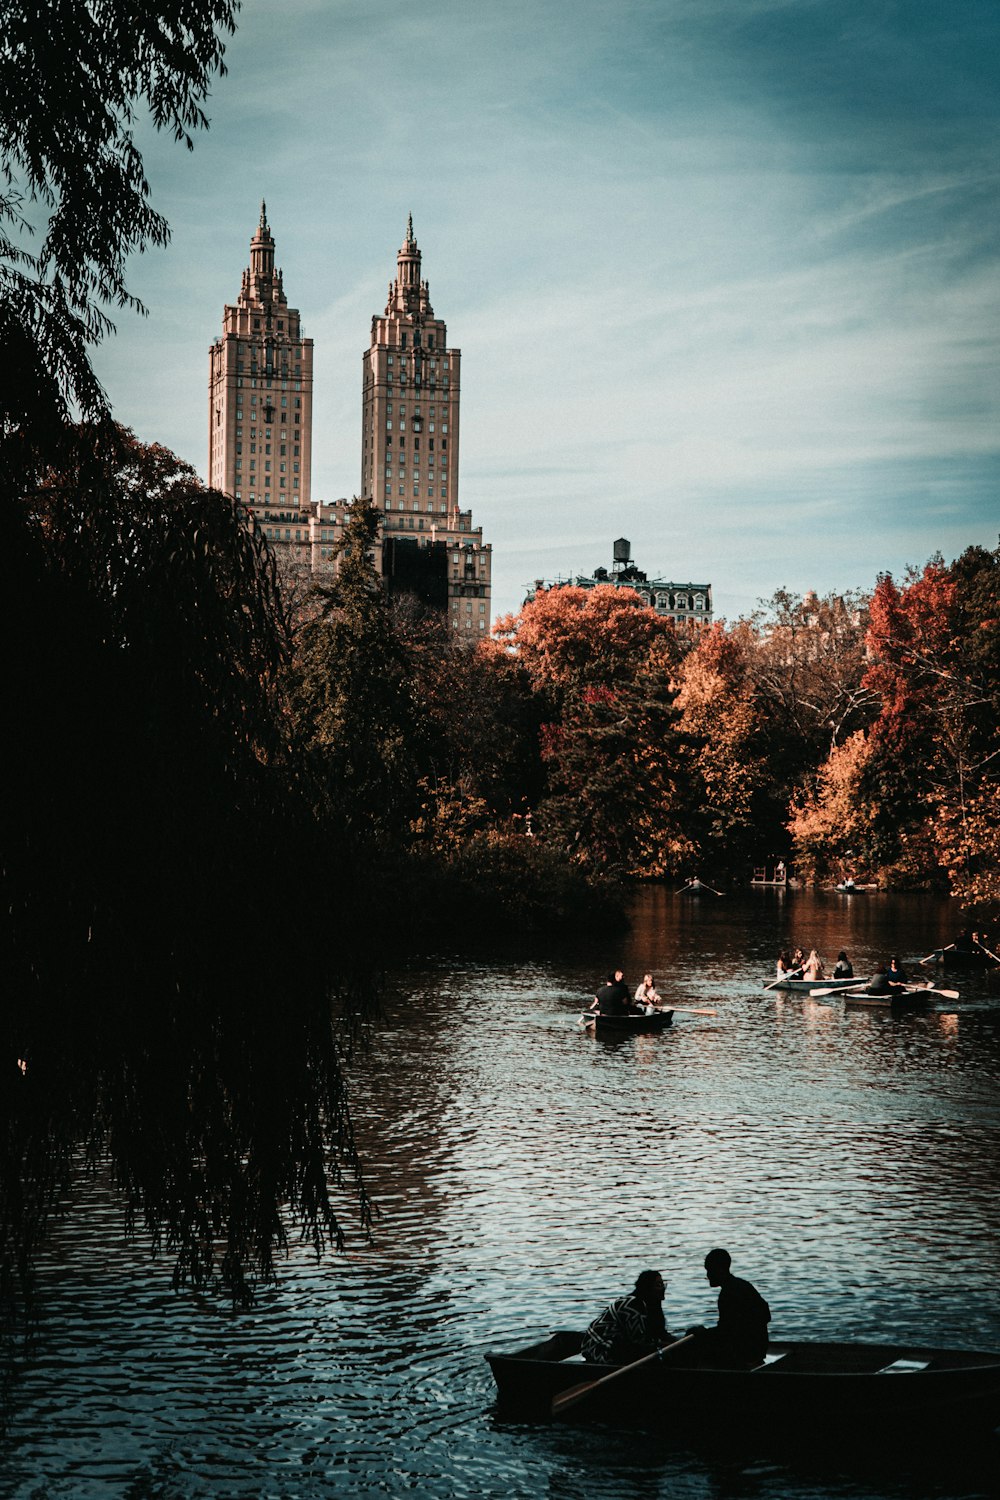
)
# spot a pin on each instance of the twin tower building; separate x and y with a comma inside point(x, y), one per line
point(260, 404)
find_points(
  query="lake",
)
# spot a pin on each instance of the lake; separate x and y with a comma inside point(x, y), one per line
point(524, 1172)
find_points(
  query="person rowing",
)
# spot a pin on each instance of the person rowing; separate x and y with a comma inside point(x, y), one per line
point(613, 998)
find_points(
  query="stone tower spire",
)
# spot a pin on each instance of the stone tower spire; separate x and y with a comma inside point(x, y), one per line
point(260, 395)
point(262, 259)
point(409, 464)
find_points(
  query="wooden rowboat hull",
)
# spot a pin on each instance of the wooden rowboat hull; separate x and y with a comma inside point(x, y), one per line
point(908, 1000)
point(659, 1020)
point(803, 986)
point(845, 1386)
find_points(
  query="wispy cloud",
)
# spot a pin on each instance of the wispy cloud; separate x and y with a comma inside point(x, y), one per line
point(724, 273)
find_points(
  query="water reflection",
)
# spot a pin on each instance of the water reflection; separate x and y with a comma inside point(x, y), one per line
point(525, 1171)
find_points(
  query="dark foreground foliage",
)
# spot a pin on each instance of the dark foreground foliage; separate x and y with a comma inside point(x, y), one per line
point(159, 855)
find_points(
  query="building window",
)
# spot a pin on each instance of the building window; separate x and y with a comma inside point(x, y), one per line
point(444, 492)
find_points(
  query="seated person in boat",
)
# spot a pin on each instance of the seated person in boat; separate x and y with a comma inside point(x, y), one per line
point(631, 1326)
point(879, 984)
point(896, 973)
point(843, 968)
point(739, 1339)
point(814, 966)
point(613, 998)
point(646, 996)
point(784, 967)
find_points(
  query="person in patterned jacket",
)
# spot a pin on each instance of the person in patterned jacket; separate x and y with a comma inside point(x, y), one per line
point(631, 1326)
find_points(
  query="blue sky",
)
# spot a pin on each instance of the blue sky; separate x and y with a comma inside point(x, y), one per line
point(724, 273)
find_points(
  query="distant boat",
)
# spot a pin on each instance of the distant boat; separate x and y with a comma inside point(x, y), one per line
point(695, 887)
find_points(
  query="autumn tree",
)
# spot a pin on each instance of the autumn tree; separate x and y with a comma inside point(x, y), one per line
point(809, 667)
point(741, 792)
point(831, 819)
point(934, 648)
point(567, 638)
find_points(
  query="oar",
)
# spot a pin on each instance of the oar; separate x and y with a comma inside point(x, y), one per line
point(932, 957)
point(693, 1010)
point(837, 989)
point(988, 951)
point(792, 974)
point(566, 1399)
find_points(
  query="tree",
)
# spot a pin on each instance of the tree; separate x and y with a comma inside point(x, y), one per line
point(352, 703)
point(620, 775)
point(809, 666)
point(157, 835)
point(567, 637)
point(72, 73)
point(741, 801)
point(934, 649)
point(830, 822)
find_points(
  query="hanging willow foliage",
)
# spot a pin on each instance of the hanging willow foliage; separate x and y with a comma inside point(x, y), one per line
point(167, 982)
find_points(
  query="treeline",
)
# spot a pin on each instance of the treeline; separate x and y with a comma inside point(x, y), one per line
point(847, 734)
point(588, 742)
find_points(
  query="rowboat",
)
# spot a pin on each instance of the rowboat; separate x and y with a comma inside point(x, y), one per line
point(899, 999)
point(657, 1020)
point(803, 986)
point(962, 958)
point(848, 1386)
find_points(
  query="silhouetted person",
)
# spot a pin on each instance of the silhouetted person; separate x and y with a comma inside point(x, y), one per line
point(896, 973)
point(739, 1339)
point(879, 984)
point(629, 1327)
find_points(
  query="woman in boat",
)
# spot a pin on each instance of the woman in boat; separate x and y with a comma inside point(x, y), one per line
point(646, 995)
point(814, 966)
point(896, 973)
point(629, 1327)
point(784, 968)
point(843, 968)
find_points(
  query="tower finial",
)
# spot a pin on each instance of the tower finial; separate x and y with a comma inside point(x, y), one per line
point(263, 214)
point(409, 229)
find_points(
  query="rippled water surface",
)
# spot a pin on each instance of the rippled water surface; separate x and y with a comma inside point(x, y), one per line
point(525, 1171)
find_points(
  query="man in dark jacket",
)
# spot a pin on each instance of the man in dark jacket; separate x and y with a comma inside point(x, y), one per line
point(613, 998)
point(739, 1340)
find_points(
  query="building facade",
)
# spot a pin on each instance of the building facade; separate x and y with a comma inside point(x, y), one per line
point(688, 605)
point(260, 438)
point(410, 423)
point(260, 398)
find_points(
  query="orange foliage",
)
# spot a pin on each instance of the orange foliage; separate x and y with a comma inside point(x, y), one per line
point(566, 636)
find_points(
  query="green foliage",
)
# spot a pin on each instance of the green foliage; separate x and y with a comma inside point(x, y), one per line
point(351, 701)
point(71, 77)
point(498, 884)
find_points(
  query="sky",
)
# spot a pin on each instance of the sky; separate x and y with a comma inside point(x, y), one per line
point(724, 273)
